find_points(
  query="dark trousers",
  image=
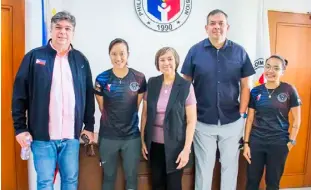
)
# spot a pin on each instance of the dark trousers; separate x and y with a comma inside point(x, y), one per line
point(161, 180)
point(109, 153)
point(271, 156)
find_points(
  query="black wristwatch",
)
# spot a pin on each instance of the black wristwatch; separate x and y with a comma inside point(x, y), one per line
point(293, 142)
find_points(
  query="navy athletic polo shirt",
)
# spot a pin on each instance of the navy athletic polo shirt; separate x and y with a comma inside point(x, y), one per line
point(270, 125)
point(216, 75)
point(119, 119)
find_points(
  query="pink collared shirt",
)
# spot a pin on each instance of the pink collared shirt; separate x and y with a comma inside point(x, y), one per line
point(62, 100)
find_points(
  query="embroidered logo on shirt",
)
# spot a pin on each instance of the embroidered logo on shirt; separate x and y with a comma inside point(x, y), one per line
point(258, 97)
point(97, 87)
point(40, 61)
point(108, 87)
point(282, 97)
point(102, 163)
point(134, 86)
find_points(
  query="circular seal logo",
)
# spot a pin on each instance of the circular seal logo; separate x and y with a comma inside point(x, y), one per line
point(163, 15)
point(134, 86)
point(259, 63)
point(259, 76)
point(282, 97)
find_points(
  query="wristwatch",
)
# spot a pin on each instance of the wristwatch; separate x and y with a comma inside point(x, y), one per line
point(243, 115)
point(293, 142)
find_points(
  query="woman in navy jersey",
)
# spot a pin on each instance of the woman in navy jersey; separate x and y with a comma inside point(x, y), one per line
point(119, 92)
point(267, 139)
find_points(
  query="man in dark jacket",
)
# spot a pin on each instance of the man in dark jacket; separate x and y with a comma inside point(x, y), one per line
point(54, 87)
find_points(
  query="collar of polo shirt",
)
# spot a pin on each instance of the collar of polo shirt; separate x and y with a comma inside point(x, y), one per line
point(207, 43)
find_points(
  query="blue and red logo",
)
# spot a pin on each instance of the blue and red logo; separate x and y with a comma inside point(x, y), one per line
point(163, 15)
point(164, 10)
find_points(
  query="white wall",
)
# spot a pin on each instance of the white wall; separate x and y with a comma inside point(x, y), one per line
point(99, 22)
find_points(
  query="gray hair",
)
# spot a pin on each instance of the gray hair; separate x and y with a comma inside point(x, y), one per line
point(64, 15)
point(163, 51)
point(215, 12)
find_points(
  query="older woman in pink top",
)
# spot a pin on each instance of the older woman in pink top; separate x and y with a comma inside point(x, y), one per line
point(168, 122)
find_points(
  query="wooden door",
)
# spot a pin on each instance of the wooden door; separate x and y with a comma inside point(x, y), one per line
point(290, 36)
point(14, 171)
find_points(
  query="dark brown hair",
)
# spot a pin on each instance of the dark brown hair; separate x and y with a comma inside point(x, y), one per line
point(215, 12)
point(284, 61)
point(118, 41)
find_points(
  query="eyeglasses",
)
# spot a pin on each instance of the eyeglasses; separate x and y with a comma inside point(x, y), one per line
point(275, 69)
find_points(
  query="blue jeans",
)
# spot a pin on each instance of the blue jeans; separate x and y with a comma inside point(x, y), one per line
point(64, 153)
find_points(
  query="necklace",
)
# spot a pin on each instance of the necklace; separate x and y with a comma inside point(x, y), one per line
point(270, 94)
point(120, 80)
point(166, 88)
point(120, 72)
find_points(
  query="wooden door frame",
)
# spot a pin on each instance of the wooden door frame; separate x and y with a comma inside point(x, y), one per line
point(18, 49)
point(304, 19)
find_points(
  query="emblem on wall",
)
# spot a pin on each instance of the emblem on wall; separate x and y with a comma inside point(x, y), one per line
point(259, 68)
point(163, 15)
